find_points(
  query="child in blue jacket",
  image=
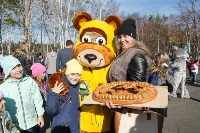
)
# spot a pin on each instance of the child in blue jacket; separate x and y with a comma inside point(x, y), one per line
point(65, 110)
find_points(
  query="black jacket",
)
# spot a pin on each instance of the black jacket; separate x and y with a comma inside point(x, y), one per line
point(26, 64)
point(137, 68)
point(63, 57)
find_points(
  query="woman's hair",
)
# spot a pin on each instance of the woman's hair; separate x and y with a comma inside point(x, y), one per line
point(143, 47)
point(139, 45)
point(160, 64)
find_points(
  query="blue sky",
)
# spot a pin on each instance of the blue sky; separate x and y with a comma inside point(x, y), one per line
point(147, 7)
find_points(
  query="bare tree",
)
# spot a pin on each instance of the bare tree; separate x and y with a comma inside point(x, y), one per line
point(190, 18)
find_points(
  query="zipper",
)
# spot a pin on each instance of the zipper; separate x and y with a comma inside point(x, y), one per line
point(22, 105)
point(69, 99)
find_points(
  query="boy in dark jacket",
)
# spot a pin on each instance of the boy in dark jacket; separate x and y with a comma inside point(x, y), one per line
point(65, 109)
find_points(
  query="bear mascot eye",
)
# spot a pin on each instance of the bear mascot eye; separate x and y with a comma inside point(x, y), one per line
point(86, 39)
point(101, 40)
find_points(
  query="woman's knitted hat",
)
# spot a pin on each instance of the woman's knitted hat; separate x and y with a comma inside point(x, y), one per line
point(73, 66)
point(37, 69)
point(128, 27)
point(8, 63)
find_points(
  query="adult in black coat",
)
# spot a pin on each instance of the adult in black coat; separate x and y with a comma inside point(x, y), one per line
point(64, 56)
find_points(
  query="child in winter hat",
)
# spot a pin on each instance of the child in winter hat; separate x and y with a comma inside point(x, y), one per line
point(73, 66)
point(28, 91)
point(38, 72)
point(37, 69)
point(8, 63)
point(68, 110)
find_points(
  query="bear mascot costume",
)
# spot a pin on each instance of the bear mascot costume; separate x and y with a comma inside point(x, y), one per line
point(95, 50)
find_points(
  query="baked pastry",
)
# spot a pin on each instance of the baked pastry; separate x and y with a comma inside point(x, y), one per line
point(125, 92)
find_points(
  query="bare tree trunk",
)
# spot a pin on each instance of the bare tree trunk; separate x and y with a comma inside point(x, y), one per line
point(26, 19)
point(54, 31)
point(30, 32)
point(7, 43)
point(67, 19)
point(194, 20)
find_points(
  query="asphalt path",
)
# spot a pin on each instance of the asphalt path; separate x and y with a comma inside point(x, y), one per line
point(183, 114)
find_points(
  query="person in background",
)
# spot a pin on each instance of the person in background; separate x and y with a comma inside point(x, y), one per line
point(22, 95)
point(38, 73)
point(194, 70)
point(12, 52)
point(39, 58)
point(189, 62)
point(24, 57)
point(158, 75)
point(50, 62)
point(65, 110)
point(158, 72)
point(6, 122)
point(174, 49)
point(179, 70)
point(64, 55)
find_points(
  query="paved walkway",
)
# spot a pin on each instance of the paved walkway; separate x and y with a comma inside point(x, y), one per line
point(184, 114)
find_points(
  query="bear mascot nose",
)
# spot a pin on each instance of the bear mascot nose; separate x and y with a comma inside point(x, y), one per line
point(90, 57)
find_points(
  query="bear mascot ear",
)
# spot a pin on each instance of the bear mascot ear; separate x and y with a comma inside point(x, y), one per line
point(58, 77)
point(115, 21)
point(79, 18)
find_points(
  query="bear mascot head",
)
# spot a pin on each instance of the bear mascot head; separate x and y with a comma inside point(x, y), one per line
point(95, 47)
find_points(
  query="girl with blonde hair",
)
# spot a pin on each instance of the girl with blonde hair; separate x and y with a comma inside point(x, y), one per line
point(158, 76)
point(38, 74)
point(160, 65)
